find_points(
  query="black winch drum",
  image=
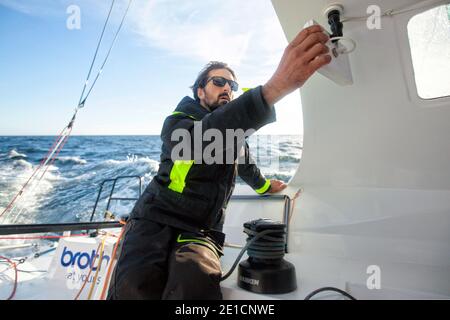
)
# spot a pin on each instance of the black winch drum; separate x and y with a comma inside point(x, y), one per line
point(265, 271)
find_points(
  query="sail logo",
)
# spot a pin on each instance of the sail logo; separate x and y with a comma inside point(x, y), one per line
point(82, 260)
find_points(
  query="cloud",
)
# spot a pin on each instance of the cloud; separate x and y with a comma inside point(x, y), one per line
point(184, 29)
point(234, 31)
point(246, 34)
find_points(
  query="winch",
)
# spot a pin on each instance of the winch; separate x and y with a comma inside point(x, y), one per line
point(265, 270)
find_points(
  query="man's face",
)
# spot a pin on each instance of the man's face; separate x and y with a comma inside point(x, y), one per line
point(212, 96)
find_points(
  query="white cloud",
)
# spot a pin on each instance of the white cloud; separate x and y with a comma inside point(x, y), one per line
point(233, 31)
point(245, 34)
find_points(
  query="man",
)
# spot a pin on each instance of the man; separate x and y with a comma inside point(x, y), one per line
point(173, 239)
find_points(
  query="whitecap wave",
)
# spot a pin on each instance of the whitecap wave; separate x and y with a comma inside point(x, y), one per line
point(13, 154)
point(133, 159)
point(22, 165)
point(13, 177)
point(84, 176)
point(73, 160)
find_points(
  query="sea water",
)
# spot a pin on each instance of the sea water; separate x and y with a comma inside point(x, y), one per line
point(68, 190)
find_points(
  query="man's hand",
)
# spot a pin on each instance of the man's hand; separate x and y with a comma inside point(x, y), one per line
point(277, 186)
point(302, 57)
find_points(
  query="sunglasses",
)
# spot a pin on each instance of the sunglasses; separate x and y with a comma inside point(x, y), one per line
point(221, 81)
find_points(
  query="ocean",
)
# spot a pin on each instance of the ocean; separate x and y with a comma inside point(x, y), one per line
point(68, 191)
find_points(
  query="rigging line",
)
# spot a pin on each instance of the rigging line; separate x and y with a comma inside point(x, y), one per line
point(95, 54)
point(83, 101)
point(14, 265)
point(58, 141)
point(44, 164)
point(21, 191)
point(60, 147)
point(58, 150)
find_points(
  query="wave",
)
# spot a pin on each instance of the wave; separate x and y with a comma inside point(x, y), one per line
point(133, 159)
point(22, 165)
point(12, 178)
point(69, 192)
point(71, 160)
point(14, 155)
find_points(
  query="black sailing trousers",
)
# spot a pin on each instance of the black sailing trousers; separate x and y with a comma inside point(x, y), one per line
point(160, 262)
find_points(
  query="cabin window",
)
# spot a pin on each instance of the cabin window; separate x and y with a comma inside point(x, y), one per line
point(429, 39)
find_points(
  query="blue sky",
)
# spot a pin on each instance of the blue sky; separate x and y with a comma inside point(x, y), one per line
point(161, 48)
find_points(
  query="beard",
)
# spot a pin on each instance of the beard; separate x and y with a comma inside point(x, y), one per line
point(219, 102)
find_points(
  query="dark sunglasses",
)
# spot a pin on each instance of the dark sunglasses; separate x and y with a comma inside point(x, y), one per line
point(221, 81)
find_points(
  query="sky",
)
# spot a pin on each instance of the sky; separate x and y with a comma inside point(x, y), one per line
point(162, 47)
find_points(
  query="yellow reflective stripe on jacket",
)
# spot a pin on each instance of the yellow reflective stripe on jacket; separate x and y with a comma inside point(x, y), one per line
point(264, 188)
point(178, 174)
point(179, 240)
point(175, 113)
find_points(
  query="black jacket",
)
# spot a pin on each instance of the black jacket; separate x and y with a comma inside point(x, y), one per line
point(192, 195)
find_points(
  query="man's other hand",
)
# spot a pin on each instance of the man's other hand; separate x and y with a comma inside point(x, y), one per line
point(276, 186)
point(301, 58)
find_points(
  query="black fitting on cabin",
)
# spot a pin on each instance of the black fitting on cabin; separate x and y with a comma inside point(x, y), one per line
point(336, 26)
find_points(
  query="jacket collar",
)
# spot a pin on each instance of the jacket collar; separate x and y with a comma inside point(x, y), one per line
point(191, 107)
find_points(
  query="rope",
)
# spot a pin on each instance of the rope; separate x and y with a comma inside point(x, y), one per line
point(264, 250)
point(83, 100)
point(267, 247)
point(65, 133)
point(80, 105)
point(89, 273)
point(13, 264)
point(249, 243)
point(108, 274)
point(43, 162)
point(102, 250)
point(293, 201)
point(48, 163)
